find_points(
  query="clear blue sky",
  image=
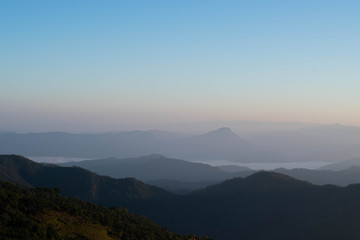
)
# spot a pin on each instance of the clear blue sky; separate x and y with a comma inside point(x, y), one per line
point(102, 65)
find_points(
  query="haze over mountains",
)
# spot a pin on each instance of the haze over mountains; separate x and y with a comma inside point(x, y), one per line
point(172, 174)
point(154, 167)
point(188, 197)
point(219, 144)
point(263, 205)
point(179, 120)
point(180, 176)
point(343, 165)
point(329, 143)
point(326, 143)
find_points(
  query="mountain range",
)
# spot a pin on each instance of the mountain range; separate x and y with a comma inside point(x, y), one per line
point(77, 182)
point(220, 144)
point(156, 167)
point(175, 175)
point(264, 205)
point(180, 176)
point(319, 143)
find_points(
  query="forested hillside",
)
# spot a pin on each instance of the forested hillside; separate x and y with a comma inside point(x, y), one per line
point(40, 213)
point(265, 205)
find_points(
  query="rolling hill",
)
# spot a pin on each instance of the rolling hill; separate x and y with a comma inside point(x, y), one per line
point(40, 213)
point(174, 175)
point(264, 205)
point(155, 167)
point(77, 182)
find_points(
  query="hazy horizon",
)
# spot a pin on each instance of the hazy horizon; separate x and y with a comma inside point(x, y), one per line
point(89, 66)
point(238, 126)
point(213, 119)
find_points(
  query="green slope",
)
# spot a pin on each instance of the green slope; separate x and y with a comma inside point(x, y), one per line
point(265, 205)
point(41, 213)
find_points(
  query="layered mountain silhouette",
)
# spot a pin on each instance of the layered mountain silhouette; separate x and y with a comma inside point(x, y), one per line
point(269, 205)
point(180, 176)
point(265, 205)
point(77, 182)
point(155, 167)
point(295, 143)
point(221, 144)
point(175, 175)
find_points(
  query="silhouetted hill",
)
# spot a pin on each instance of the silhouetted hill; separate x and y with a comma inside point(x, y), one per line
point(265, 205)
point(174, 175)
point(77, 182)
point(154, 167)
point(40, 213)
point(17, 169)
point(272, 206)
point(260, 181)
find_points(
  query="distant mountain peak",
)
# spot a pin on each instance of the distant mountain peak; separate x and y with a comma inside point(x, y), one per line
point(222, 132)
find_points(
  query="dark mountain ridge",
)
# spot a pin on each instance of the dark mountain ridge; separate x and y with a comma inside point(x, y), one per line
point(155, 167)
point(265, 205)
point(77, 182)
point(180, 176)
point(40, 213)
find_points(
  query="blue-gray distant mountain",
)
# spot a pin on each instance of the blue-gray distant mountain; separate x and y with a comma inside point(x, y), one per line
point(354, 162)
point(154, 167)
point(294, 143)
point(243, 127)
point(181, 176)
point(85, 145)
point(171, 174)
point(221, 144)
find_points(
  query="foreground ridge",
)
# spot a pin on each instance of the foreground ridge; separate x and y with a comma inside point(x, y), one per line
point(41, 213)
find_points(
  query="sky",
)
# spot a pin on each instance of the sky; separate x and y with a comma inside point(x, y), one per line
point(113, 65)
